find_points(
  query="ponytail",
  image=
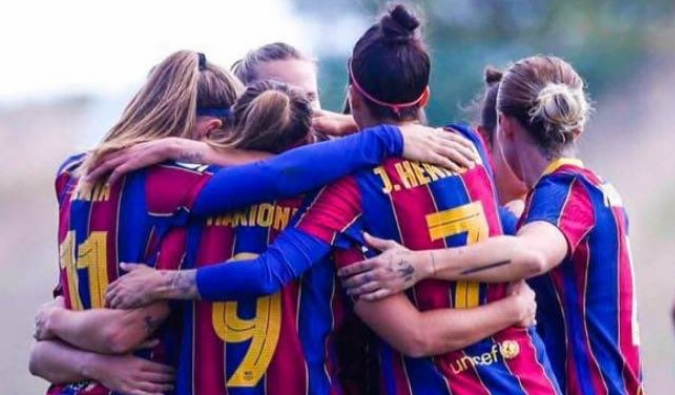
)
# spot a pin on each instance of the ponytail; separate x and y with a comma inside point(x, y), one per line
point(546, 95)
point(270, 116)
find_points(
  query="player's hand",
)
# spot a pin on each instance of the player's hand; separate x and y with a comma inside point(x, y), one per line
point(333, 123)
point(130, 375)
point(137, 288)
point(438, 146)
point(526, 304)
point(45, 318)
point(391, 272)
point(118, 163)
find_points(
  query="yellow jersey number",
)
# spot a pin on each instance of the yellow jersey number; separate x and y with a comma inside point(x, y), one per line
point(469, 219)
point(262, 330)
point(92, 256)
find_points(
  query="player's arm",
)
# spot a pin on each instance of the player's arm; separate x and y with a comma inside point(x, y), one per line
point(295, 171)
point(57, 362)
point(559, 218)
point(420, 334)
point(118, 163)
point(334, 210)
point(536, 249)
point(60, 363)
point(310, 167)
point(291, 254)
point(106, 331)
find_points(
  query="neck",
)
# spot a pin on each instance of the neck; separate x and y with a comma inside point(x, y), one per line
point(369, 122)
point(533, 163)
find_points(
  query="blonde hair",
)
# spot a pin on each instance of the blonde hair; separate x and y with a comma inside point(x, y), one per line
point(247, 69)
point(269, 116)
point(547, 96)
point(166, 105)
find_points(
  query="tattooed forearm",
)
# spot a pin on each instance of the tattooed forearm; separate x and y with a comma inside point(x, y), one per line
point(484, 267)
point(180, 284)
point(191, 157)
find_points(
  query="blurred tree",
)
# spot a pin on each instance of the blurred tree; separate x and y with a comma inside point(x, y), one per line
point(606, 40)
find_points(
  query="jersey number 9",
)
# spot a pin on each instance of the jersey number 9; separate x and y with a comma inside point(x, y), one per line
point(262, 331)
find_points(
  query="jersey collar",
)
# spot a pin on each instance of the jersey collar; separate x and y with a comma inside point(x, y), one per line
point(560, 162)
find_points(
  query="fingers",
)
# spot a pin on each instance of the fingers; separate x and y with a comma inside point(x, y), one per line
point(366, 288)
point(121, 170)
point(451, 135)
point(461, 155)
point(151, 388)
point(107, 164)
point(112, 295)
point(375, 296)
point(150, 343)
point(377, 243)
point(132, 267)
point(357, 280)
point(154, 367)
point(357, 268)
point(443, 161)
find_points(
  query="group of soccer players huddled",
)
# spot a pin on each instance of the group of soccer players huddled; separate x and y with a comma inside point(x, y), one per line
point(228, 236)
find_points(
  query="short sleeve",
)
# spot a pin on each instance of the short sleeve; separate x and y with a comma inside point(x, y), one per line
point(509, 221)
point(563, 201)
point(334, 211)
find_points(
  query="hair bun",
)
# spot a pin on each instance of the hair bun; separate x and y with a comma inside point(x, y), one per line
point(399, 23)
point(492, 75)
point(561, 109)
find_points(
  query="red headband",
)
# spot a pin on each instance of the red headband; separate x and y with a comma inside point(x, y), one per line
point(396, 107)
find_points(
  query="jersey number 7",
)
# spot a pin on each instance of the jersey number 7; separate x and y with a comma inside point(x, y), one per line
point(469, 219)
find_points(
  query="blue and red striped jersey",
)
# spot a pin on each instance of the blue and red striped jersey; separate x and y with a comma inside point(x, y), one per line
point(267, 345)
point(129, 221)
point(587, 304)
point(423, 207)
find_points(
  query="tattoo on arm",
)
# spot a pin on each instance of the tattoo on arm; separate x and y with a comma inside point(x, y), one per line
point(181, 284)
point(191, 157)
point(484, 267)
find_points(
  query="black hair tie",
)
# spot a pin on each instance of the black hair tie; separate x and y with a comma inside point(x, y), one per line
point(202, 61)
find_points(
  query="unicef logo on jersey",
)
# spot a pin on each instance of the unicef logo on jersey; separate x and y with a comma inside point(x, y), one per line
point(505, 350)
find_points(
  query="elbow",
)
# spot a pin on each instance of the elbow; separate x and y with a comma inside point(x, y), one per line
point(34, 363)
point(271, 287)
point(416, 350)
point(416, 345)
point(535, 264)
point(532, 262)
point(423, 343)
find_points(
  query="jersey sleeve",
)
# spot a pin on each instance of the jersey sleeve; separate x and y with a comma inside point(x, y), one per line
point(64, 183)
point(64, 180)
point(563, 201)
point(334, 212)
point(329, 216)
point(509, 221)
point(473, 136)
point(291, 254)
point(297, 171)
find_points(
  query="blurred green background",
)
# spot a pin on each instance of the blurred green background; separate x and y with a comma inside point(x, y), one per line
point(607, 41)
point(624, 49)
